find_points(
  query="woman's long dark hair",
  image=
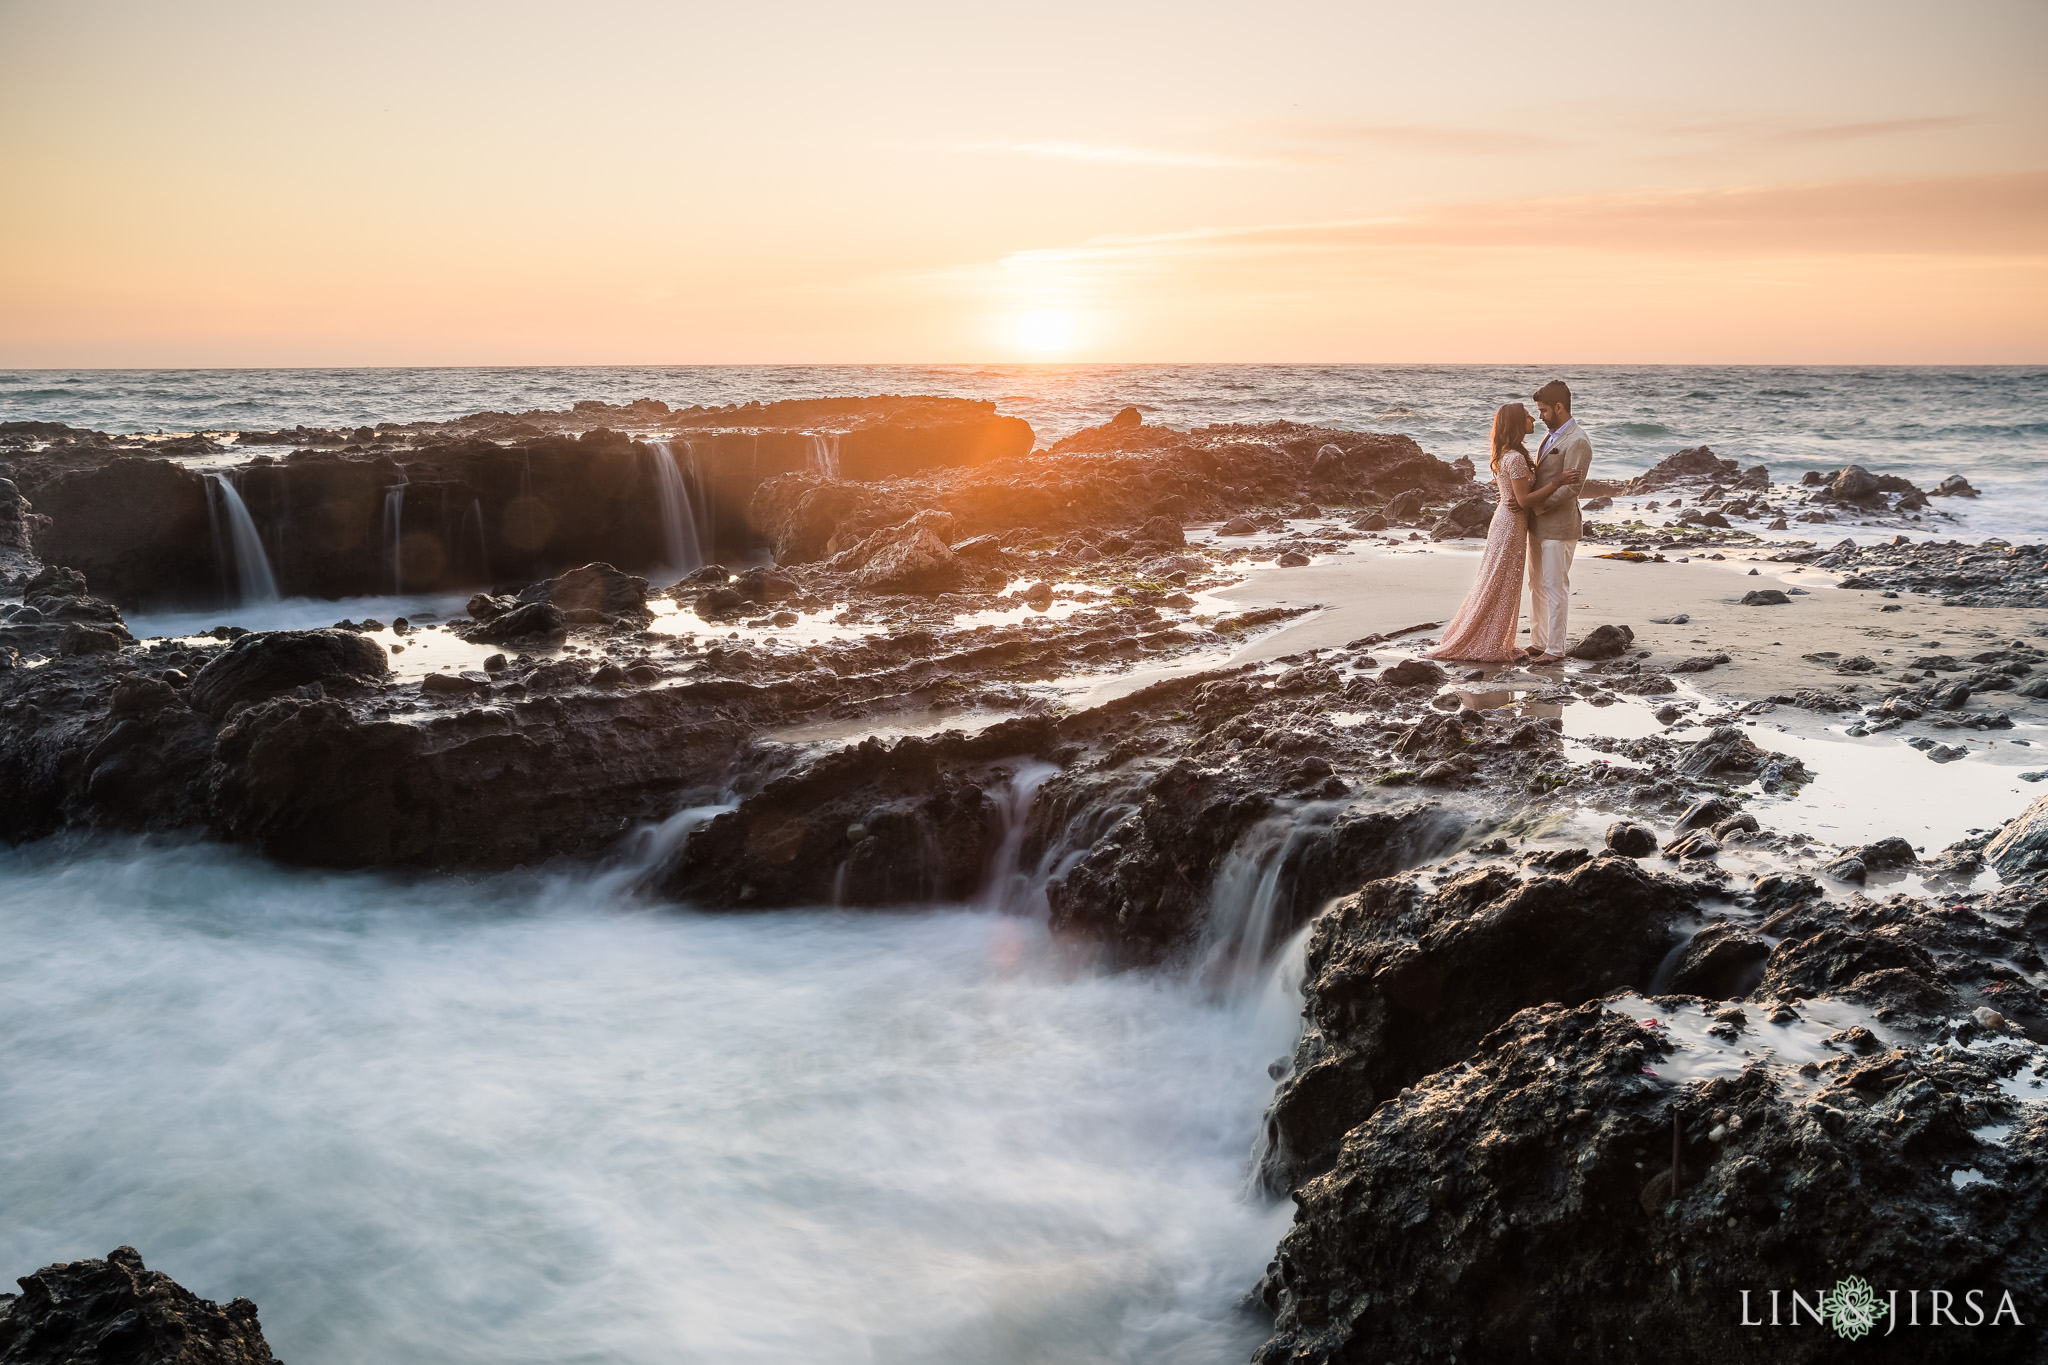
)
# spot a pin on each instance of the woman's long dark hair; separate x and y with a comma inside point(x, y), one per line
point(1511, 426)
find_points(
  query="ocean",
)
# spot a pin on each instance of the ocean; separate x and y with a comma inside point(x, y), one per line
point(1989, 424)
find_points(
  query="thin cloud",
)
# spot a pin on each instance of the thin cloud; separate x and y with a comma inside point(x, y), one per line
point(1421, 139)
point(1110, 154)
point(1765, 130)
point(1955, 216)
point(1854, 132)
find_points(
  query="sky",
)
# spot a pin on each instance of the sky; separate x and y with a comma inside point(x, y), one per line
point(434, 183)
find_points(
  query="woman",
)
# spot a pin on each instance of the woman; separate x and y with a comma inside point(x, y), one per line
point(1483, 631)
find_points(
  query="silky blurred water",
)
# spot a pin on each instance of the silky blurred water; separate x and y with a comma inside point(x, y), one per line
point(1989, 424)
point(521, 1119)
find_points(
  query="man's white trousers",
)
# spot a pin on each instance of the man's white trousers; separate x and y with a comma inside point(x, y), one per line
point(1550, 592)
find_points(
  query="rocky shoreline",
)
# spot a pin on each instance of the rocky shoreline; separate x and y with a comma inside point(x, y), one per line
point(1552, 1094)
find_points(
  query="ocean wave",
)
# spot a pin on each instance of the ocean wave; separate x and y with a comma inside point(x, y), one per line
point(1641, 428)
point(66, 394)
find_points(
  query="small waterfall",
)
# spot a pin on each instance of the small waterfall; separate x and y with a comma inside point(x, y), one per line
point(394, 529)
point(680, 543)
point(253, 577)
point(483, 550)
point(220, 549)
point(1277, 1015)
point(643, 852)
point(1006, 886)
point(824, 458)
point(1251, 897)
point(703, 496)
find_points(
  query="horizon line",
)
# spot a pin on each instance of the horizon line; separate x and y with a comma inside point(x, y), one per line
point(1067, 365)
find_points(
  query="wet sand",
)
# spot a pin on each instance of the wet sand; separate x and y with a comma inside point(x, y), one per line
point(1372, 591)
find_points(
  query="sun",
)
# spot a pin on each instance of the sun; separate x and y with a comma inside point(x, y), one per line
point(1045, 331)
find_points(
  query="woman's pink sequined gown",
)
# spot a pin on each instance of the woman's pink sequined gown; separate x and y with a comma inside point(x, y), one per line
point(1483, 631)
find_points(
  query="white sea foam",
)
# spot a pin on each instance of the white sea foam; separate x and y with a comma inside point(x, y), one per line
point(522, 1119)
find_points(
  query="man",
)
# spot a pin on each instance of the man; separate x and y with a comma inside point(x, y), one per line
point(1554, 525)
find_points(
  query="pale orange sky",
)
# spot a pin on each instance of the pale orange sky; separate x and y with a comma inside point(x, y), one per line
point(510, 183)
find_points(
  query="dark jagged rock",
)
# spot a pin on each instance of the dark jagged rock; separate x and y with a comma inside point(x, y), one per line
point(1696, 464)
point(594, 588)
point(118, 1312)
point(1992, 574)
point(912, 558)
point(2021, 848)
point(532, 622)
point(1855, 484)
point(1162, 531)
point(309, 781)
point(1779, 890)
point(1631, 840)
point(59, 617)
point(1499, 1210)
point(468, 511)
point(138, 527)
point(1415, 673)
point(1731, 756)
point(1604, 642)
point(872, 825)
point(1884, 967)
point(1704, 813)
point(279, 743)
point(1403, 981)
point(800, 514)
point(260, 666)
point(1143, 887)
point(1720, 962)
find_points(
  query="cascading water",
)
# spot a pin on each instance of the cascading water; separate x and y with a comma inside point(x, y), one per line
point(253, 578)
point(824, 458)
point(483, 549)
point(542, 1084)
point(394, 530)
point(641, 854)
point(1252, 895)
point(501, 1119)
point(680, 543)
point(1006, 886)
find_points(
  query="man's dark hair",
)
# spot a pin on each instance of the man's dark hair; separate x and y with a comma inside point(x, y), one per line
point(1556, 391)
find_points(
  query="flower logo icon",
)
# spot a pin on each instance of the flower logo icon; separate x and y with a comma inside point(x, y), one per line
point(1852, 1309)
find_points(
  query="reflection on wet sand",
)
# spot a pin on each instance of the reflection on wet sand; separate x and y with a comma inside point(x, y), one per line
point(1530, 692)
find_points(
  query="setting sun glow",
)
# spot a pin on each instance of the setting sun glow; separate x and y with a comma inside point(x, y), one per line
point(1046, 331)
point(1870, 185)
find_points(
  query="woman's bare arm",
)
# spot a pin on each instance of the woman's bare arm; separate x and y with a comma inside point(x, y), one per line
point(1528, 497)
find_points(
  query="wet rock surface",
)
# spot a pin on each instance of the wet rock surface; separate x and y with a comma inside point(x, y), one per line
point(118, 1312)
point(876, 824)
point(486, 499)
point(301, 743)
point(1993, 574)
point(258, 667)
point(1477, 1181)
point(1404, 980)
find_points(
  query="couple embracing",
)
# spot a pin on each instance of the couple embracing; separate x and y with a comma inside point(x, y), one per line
point(1537, 518)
